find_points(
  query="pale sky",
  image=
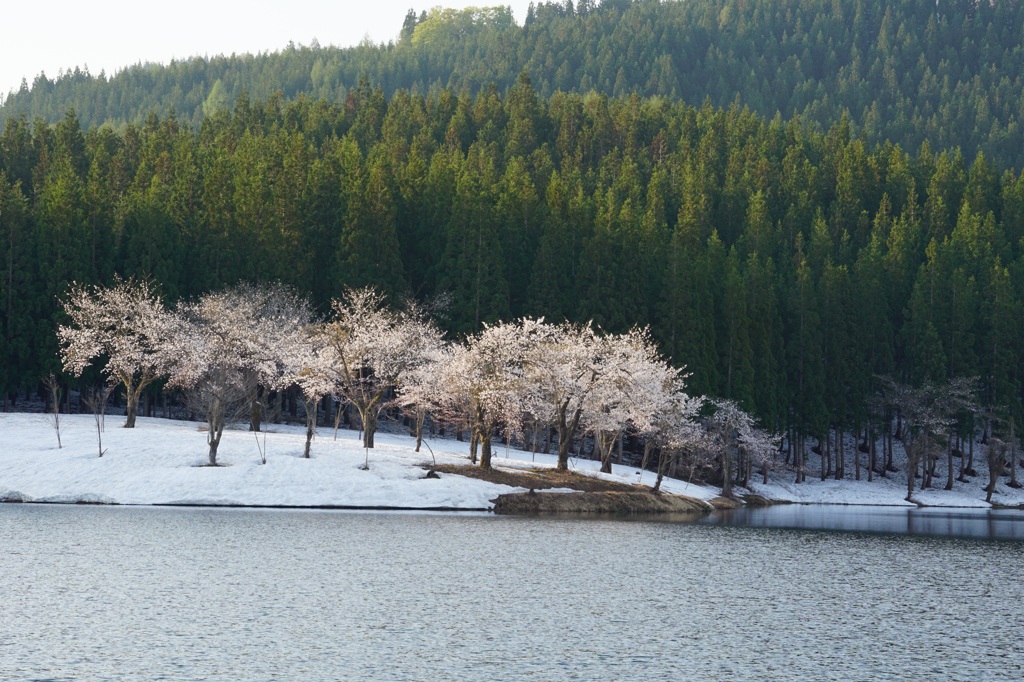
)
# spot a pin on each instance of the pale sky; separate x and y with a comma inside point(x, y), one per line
point(112, 34)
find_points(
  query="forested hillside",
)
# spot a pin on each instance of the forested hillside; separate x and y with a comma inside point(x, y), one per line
point(785, 268)
point(946, 71)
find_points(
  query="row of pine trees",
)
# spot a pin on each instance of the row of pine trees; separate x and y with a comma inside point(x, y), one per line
point(787, 269)
point(949, 71)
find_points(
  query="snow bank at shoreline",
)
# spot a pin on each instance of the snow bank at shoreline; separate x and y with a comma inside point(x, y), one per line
point(161, 463)
point(890, 490)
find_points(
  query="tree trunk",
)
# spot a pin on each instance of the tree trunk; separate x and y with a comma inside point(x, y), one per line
point(339, 412)
point(485, 450)
point(533, 442)
point(823, 447)
point(564, 445)
point(911, 468)
point(727, 471)
point(856, 453)
point(662, 456)
point(566, 431)
point(797, 447)
point(421, 416)
point(1013, 456)
point(949, 463)
point(216, 429)
point(369, 427)
point(745, 471)
point(970, 458)
point(872, 453)
point(605, 442)
point(840, 456)
point(311, 413)
point(131, 409)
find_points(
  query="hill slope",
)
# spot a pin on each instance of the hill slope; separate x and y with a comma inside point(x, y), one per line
point(950, 72)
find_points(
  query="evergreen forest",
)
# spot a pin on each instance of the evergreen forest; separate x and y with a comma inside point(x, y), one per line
point(947, 71)
point(791, 265)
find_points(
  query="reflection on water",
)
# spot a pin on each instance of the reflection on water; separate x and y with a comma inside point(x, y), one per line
point(998, 524)
point(106, 593)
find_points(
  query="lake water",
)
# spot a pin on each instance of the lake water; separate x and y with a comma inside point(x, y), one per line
point(115, 593)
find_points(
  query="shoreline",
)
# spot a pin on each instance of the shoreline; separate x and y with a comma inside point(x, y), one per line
point(586, 509)
point(156, 464)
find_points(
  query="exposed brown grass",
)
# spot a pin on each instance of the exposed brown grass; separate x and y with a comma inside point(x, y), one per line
point(539, 479)
point(619, 503)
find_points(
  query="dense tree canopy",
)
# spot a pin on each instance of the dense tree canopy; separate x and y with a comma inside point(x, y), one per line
point(786, 268)
point(948, 71)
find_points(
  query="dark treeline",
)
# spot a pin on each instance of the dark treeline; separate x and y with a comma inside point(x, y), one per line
point(949, 71)
point(785, 268)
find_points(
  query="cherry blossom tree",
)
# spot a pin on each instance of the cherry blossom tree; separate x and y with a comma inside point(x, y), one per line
point(726, 425)
point(487, 383)
point(374, 348)
point(126, 323)
point(674, 429)
point(928, 413)
point(759, 449)
point(739, 443)
point(423, 388)
point(309, 365)
point(227, 343)
point(564, 366)
point(630, 389)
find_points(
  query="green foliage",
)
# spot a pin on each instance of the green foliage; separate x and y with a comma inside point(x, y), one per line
point(899, 70)
point(784, 267)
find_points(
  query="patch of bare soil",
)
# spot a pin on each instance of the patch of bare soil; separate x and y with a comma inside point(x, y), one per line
point(594, 496)
point(636, 502)
point(539, 479)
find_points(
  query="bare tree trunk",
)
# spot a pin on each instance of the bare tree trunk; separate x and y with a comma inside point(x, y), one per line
point(215, 425)
point(872, 453)
point(912, 452)
point(1013, 456)
point(663, 455)
point(421, 416)
point(311, 414)
point(339, 412)
point(53, 387)
point(727, 471)
point(566, 426)
point(131, 394)
point(970, 458)
point(949, 463)
point(255, 411)
point(856, 452)
point(824, 471)
point(369, 418)
point(798, 459)
point(605, 442)
point(534, 437)
point(840, 456)
point(996, 456)
point(485, 450)
point(889, 437)
point(97, 403)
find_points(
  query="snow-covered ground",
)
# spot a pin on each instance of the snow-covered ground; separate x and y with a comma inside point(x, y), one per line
point(891, 490)
point(160, 462)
